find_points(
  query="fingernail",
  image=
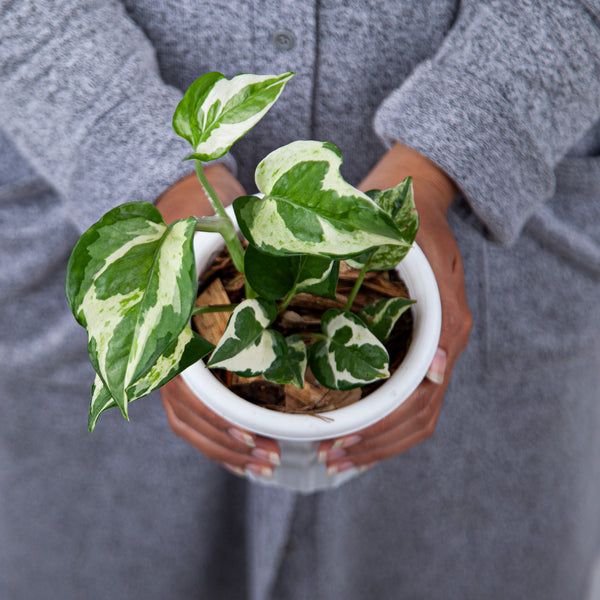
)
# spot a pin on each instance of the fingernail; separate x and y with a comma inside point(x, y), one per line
point(346, 442)
point(235, 470)
point(364, 468)
point(333, 454)
point(269, 455)
point(242, 436)
point(339, 467)
point(260, 470)
point(437, 368)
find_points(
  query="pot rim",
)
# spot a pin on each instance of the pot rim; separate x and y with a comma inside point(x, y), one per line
point(427, 316)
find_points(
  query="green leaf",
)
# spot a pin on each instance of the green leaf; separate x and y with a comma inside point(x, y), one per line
point(270, 276)
point(382, 316)
point(216, 112)
point(131, 282)
point(290, 364)
point(351, 356)
point(318, 276)
point(273, 276)
point(186, 350)
point(308, 208)
point(247, 347)
point(100, 401)
point(399, 203)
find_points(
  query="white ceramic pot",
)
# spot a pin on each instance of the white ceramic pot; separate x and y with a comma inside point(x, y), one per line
point(299, 435)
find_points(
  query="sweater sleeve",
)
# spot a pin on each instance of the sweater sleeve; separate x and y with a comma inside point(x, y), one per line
point(510, 90)
point(84, 103)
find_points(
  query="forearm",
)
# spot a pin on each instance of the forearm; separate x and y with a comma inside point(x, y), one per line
point(510, 90)
point(429, 181)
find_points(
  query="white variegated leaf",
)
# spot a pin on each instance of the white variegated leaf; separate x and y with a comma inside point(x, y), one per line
point(100, 401)
point(318, 276)
point(247, 347)
point(308, 208)
point(216, 112)
point(290, 365)
point(131, 282)
point(187, 349)
point(399, 203)
point(351, 356)
point(382, 316)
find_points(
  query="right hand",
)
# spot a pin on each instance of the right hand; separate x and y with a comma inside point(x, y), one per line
point(188, 416)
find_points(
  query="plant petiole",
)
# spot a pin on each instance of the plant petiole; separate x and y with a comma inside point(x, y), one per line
point(359, 280)
point(228, 230)
point(198, 310)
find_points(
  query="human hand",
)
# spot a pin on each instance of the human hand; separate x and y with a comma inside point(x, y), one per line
point(220, 441)
point(188, 417)
point(416, 419)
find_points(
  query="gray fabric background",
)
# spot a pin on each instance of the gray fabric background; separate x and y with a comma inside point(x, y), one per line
point(503, 501)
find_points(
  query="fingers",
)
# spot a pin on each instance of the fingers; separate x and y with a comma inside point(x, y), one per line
point(215, 437)
point(413, 422)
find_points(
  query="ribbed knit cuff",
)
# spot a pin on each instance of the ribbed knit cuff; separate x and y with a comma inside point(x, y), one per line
point(467, 128)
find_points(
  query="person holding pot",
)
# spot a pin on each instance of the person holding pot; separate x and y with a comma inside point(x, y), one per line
point(493, 108)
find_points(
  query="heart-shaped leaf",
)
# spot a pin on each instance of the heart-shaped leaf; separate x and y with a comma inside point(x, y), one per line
point(351, 356)
point(272, 276)
point(290, 365)
point(382, 316)
point(216, 112)
point(308, 208)
point(399, 203)
point(131, 282)
point(247, 347)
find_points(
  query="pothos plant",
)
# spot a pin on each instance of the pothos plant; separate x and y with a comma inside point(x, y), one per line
point(132, 283)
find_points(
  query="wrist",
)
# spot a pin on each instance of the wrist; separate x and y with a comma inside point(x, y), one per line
point(432, 186)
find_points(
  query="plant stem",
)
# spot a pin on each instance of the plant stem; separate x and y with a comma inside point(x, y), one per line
point(287, 300)
point(358, 283)
point(290, 295)
point(198, 310)
point(229, 234)
point(319, 337)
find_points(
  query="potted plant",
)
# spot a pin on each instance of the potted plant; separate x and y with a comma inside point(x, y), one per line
point(132, 283)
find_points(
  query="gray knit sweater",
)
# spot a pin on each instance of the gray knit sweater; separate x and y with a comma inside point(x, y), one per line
point(505, 97)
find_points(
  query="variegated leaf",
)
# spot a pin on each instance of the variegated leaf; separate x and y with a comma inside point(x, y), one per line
point(351, 356)
point(399, 203)
point(290, 365)
point(100, 401)
point(273, 276)
point(308, 208)
point(216, 112)
point(186, 350)
point(131, 282)
point(318, 276)
point(247, 347)
point(382, 316)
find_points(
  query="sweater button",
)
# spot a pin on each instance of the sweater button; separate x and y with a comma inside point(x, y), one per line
point(284, 40)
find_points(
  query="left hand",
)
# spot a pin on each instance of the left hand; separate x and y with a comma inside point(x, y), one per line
point(415, 420)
